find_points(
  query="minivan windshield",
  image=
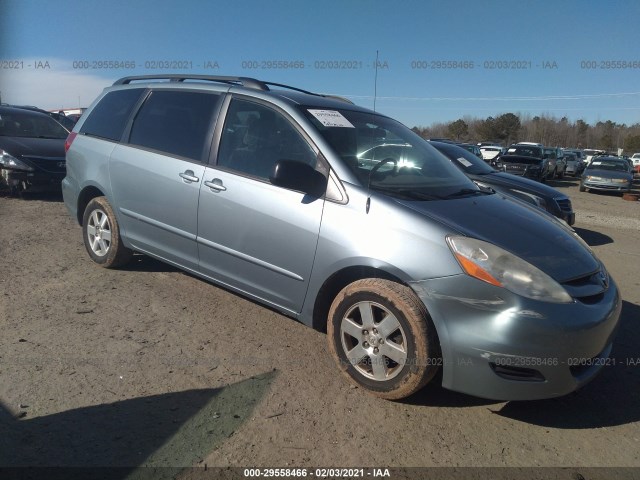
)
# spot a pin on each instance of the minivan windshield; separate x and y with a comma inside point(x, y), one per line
point(388, 157)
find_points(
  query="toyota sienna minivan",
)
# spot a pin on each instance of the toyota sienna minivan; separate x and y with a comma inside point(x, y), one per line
point(346, 220)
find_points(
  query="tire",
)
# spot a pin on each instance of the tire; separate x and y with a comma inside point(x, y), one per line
point(101, 235)
point(360, 346)
point(561, 175)
point(581, 188)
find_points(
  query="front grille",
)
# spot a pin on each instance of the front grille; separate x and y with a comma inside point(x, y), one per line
point(588, 289)
point(515, 170)
point(48, 164)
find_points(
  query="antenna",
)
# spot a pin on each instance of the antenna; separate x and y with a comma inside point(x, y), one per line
point(375, 84)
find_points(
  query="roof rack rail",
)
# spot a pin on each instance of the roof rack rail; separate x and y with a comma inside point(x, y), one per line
point(242, 81)
point(335, 97)
point(239, 81)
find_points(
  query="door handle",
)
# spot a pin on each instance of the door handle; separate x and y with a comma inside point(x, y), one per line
point(216, 184)
point(188, 176)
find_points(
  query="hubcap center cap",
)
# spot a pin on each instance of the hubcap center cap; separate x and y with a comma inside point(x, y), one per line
point(373, 339)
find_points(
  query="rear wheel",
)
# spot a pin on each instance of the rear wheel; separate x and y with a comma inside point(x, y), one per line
point(101, 235)
point(382, 338)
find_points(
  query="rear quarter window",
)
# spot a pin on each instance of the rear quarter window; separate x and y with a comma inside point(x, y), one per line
point(110, 116)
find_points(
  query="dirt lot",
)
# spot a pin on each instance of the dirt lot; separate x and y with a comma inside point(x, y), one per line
point(151, 366)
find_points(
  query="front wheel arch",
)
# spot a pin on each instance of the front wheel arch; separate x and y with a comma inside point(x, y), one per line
point(336, 282)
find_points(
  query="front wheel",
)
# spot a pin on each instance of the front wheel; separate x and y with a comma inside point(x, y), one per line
point(382, 338)
point(101, 235)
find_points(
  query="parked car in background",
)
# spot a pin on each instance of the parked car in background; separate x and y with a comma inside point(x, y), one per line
point(61, 118)
point(611, 174)
point(579, 153)
point(635, 158)
point(406, 263)
point(32, 152)
point(561, 162)
point(489, 152)
point(545, 153)
point(472, 148)
point(542, 196)
point(556, 161)
point(527, 160)
point(575, 166)
point(589, 153)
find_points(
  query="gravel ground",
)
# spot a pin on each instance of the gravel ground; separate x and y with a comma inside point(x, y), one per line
point(148, 365)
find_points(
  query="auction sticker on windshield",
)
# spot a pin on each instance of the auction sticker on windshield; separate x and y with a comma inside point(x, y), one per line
point(464, 161)
point(331, 118)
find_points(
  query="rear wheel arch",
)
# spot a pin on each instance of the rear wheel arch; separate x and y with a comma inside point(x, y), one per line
point(86, 195)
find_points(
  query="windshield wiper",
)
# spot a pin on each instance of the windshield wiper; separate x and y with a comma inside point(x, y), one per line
point(468, 191)
point(406, 193)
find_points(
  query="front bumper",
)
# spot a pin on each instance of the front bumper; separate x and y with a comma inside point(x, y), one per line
point(33, 180)
point(498, 345)
point(606, 186)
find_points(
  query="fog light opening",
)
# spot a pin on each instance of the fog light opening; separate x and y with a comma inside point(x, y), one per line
point(517, 373)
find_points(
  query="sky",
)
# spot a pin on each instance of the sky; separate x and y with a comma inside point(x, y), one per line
point(437, 60)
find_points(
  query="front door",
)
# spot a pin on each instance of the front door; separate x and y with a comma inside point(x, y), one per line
point(252, 235)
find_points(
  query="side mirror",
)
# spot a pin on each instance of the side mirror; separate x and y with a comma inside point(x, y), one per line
point(298, 176)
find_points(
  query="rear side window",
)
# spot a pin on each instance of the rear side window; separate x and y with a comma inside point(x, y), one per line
point(109, 118)
point(176, 122)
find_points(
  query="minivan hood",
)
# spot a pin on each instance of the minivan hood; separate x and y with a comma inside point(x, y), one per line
point(522, 230)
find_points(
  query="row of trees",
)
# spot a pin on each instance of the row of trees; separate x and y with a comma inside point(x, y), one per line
point(510, 128)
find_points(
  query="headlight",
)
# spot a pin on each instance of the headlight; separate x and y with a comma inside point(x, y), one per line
point(496, 266)
point(591, 177)
point(531, 198)
point(10, 162)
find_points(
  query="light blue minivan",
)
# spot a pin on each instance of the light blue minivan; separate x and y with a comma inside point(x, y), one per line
point(408, 266)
